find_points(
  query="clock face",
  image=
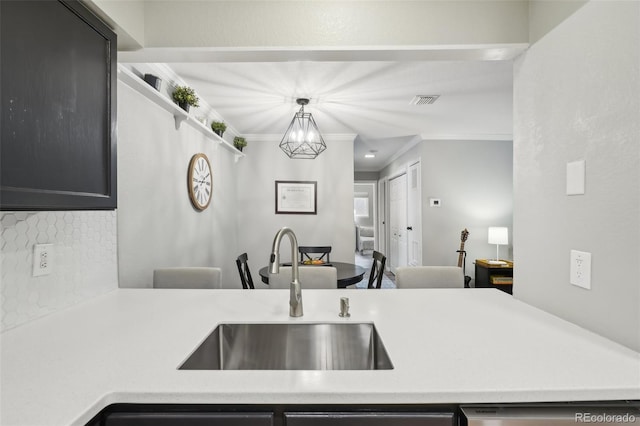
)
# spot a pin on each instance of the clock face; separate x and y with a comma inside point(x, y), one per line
point(200, 181)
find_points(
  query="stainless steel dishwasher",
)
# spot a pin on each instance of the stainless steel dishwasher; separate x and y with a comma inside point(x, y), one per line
point(553, 414)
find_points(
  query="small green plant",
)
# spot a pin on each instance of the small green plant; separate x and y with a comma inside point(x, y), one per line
point(239, 142)
point(185, 95)
point(218, 127)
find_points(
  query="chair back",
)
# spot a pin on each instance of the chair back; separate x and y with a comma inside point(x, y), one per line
point(187, 277)
point(429, 277)
point(377, 270)
point(243, 270)
point(309, 277)
point(307, 252)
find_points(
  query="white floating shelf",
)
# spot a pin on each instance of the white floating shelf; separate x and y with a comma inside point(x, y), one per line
point(179, 115)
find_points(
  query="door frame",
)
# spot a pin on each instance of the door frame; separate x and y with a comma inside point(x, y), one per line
point(416, 232)
point(383, 194)
point(374, 206)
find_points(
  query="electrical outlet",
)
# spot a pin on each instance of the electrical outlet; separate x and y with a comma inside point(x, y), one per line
point(580, 269)
point(42, 259)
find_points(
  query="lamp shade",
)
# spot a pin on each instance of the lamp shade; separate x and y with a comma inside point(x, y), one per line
point(498, 235)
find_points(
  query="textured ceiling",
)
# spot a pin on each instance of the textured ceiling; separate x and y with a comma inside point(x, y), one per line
point(368, 100)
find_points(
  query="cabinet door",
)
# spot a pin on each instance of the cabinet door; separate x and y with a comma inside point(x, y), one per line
point(189, 419)
point(57, 107)
point(369, 419)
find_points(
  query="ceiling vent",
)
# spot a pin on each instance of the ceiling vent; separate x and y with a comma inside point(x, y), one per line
point(424, 99)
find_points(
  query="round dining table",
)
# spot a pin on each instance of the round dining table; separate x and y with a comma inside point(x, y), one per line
point(348, 273)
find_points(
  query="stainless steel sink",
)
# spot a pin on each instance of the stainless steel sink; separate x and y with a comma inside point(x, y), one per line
point(286, 346)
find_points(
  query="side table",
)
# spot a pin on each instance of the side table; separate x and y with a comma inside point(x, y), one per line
point(492, 275)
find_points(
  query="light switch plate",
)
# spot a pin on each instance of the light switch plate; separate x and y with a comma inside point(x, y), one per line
point(580, 269)
point(42, 259)
point(575, 177)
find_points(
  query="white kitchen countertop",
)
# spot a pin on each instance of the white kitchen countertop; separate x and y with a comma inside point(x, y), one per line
point(447, 346)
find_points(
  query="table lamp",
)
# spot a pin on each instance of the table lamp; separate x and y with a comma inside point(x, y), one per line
point(498, 235)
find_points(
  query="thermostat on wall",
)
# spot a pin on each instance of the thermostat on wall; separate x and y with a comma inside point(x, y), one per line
point(435, 202)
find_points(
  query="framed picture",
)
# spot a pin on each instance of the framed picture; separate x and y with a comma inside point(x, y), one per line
point(296, 197)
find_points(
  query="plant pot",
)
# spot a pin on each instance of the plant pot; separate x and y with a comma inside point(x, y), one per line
point(153, 81)
point(185, 106)
point(239, 148)
point(219, 132)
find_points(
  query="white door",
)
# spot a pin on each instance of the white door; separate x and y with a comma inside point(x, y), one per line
point(398, 221)
point(414, 216)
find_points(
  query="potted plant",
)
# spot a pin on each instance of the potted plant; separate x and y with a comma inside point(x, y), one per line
point(218, 127)
point(185, 97)
point(239, 143)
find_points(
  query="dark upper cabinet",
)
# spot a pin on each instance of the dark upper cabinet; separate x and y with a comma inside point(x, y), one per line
point(58, 107)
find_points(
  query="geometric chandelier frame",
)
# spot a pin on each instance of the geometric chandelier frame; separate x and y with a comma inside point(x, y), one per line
point(302, 139)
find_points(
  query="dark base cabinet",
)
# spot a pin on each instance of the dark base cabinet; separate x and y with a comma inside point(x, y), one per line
point(189, 419)
point(515, 414)
point(382, 418)
point(275, 415)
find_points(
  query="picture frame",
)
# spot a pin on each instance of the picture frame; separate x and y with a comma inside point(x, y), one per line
point(296, 197)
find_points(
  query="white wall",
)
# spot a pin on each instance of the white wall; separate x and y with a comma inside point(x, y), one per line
point(333, 23)
point(157, 225)
point(544, 15)
point(257, 222)
point(474, 182)
point(577, 97)
point(125, 17)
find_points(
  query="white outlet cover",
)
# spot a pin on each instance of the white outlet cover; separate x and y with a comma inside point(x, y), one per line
point(435, 202)
point(580, 269)
point(42, 259)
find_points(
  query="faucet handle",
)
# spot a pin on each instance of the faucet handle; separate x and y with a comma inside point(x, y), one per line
point(344, 307)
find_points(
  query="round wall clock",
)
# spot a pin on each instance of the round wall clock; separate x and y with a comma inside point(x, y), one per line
point(200, 181)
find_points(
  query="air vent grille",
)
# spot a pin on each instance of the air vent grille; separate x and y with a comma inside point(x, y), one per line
point(424, 99)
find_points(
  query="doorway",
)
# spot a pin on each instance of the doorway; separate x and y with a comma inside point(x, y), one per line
point(365, 210)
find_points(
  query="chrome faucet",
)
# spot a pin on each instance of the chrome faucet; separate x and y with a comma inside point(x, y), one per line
point(295, 292)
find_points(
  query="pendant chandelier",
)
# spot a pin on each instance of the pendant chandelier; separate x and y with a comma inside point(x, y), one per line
point(302, 139)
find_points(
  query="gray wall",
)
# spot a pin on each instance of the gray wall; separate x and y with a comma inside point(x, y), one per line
point(576, 97)
point(474, 181)
point(255, 214)
point(366, 176)
point(157, 225)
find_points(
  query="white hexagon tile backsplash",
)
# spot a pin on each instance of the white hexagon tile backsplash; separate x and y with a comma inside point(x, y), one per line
point(84, 259)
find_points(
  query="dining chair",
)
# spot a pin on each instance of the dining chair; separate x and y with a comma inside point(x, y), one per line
point(377, 270)
point(309, 277)
point(243, 270)
point(307, 252)
point(429, 277)
point(187, 277)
